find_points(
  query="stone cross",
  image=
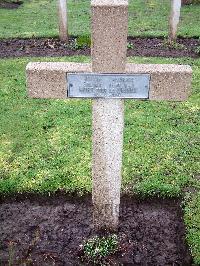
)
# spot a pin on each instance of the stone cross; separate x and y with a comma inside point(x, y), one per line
point(109, 45)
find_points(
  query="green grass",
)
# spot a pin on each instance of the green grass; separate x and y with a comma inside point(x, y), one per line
point(146, 18)
point(161, 140)
point(192, 222)
point(46, 144)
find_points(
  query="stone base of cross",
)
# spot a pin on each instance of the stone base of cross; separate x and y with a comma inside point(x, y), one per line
point(108, 80)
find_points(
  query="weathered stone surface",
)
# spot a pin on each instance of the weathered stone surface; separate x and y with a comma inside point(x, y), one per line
point(109, 3)
point(109, 35)
point(108, 122)
point(48, 80)
point(168, 82)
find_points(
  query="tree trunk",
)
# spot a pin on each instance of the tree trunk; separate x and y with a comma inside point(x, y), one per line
point(63, 28)
point(174, 19)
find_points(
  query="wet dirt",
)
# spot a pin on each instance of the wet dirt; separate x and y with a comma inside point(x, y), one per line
point(136, 47)
point(10, 4)
point(38, 230)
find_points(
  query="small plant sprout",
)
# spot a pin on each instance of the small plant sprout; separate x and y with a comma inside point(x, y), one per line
point(99, 247)
point(11, 252)
point(173, 44)
point(197, 50)
point(130, 45)
point(80, 42)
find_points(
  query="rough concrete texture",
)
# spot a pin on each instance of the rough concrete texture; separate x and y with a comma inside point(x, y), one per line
point(109, 38)
point(108, 122)
point(109, 35)
point(168, 82)
point(48, 80)
point(109, 3)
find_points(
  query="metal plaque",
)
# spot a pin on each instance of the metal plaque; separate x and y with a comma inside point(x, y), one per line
point(122, 86)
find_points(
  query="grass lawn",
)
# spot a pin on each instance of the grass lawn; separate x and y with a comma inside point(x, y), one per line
point(46, 144)
point(146, 18)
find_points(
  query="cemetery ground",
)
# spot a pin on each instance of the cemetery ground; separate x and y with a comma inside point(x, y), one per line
point(36, 18)
point(32, 29)
point(80, 45)
point(45, 152)
point(45, 186)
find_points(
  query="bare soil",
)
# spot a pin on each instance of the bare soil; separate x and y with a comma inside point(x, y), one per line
point(184, 47)
point(10, 4)
point(189, 47)
point(38, 230)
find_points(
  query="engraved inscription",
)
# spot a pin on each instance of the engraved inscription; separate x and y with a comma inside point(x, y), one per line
point(108, 86)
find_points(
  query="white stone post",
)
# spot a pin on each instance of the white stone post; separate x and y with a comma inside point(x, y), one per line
point(109, 42)
point(174, 19)
point(63, 27)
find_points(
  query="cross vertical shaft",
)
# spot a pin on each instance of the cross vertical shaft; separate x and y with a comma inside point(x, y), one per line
point(109, 44)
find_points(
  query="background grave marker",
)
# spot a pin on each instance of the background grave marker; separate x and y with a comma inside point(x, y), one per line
point(63, 23)
point(174, 19)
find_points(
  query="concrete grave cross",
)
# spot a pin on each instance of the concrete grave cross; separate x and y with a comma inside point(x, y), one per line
point(108, 80)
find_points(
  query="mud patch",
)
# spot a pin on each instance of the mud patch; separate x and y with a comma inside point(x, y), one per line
point(40, 47)
point(189, 47)
point(10, 5)
point(183, 47)
point(49, 231)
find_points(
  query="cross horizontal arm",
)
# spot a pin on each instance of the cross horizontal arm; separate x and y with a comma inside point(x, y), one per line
point(48, 79)
point(168, 82)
